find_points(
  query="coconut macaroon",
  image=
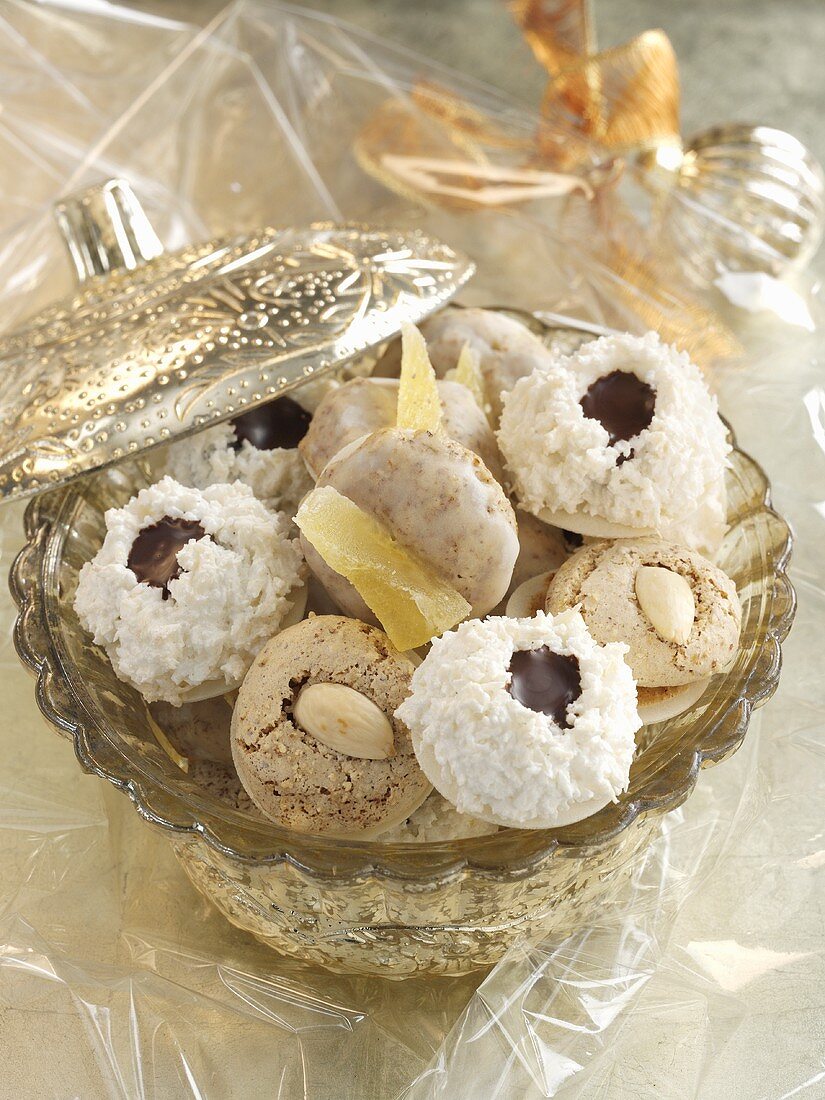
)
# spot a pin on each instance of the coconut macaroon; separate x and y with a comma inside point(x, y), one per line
point(187, 587)
point(259, 448)
point(677, 613)
point(527, 723)
point(621, 438)
point(366, 405)
point(314, 737)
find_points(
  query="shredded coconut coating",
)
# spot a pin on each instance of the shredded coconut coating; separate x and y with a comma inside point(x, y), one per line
point(704, 529)
point(436, 821)
point(561, 460)
point(234, 590)
point(500, 761)
point(278, 477)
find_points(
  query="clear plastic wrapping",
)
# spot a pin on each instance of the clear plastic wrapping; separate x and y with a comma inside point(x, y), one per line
point(704, 976)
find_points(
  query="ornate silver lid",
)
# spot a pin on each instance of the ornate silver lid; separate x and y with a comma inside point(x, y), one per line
point(154, 345)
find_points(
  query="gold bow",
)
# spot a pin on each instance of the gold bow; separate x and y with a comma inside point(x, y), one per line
point(624, 98)
point(599, 108)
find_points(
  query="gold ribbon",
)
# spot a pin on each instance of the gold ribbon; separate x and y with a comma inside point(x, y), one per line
point(437, 148)
point(434, 147)
point(624, 98)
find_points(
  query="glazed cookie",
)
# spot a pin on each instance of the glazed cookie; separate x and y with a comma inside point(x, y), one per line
point(621, 438)
point(366, 405)
point(187, 587)
point(528, 723)
point(436, 821)
point(542, 548)
point(314, 737)
point(259, 448)
point(506, 348)
point(437, 500)
point(678, 613)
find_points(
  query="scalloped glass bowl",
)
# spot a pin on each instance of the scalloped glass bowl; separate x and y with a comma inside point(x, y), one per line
point(393, 910)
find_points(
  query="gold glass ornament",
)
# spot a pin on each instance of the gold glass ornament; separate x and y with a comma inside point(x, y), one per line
point(739, 198)
point(736, 197)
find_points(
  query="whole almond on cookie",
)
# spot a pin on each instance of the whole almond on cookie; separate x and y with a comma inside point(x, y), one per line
point(344, 720)
point(667, 601)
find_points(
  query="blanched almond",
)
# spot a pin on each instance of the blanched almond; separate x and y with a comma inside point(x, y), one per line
point(344, 720)
point(667, 601)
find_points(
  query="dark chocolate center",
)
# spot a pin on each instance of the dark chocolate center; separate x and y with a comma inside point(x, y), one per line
point(622, 403)
point(281, 423)
point(545, 681)
point(154, 554)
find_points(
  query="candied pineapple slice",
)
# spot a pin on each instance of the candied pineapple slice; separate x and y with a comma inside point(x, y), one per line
point(467, 371)
point(419, 408)
point(410, 602)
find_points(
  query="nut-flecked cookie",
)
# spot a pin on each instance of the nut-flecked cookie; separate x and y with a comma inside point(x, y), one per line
point(365, 405)
point(678, 613)
point(439, 501)
point(328, 681)
point(221, 782)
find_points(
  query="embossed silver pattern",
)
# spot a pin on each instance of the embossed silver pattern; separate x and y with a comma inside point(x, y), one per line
point(140, 357)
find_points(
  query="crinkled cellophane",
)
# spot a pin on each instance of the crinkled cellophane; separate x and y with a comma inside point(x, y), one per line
point(704, 978)
point(379, 909)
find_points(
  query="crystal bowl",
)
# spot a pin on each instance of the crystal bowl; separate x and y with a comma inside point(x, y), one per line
point(371, 908)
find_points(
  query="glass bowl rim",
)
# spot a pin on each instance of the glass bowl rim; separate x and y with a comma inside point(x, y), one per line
point(319, 857)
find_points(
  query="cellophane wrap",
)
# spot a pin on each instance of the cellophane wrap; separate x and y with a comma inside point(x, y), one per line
point(705, 977)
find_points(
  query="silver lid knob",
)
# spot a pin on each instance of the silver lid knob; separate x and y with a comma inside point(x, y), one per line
point(106, 229)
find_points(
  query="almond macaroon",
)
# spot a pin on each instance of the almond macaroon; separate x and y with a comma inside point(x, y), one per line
point(315, 739)
point(678, 614)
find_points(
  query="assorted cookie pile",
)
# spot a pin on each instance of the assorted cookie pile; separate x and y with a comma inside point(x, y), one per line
point(436, 601)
